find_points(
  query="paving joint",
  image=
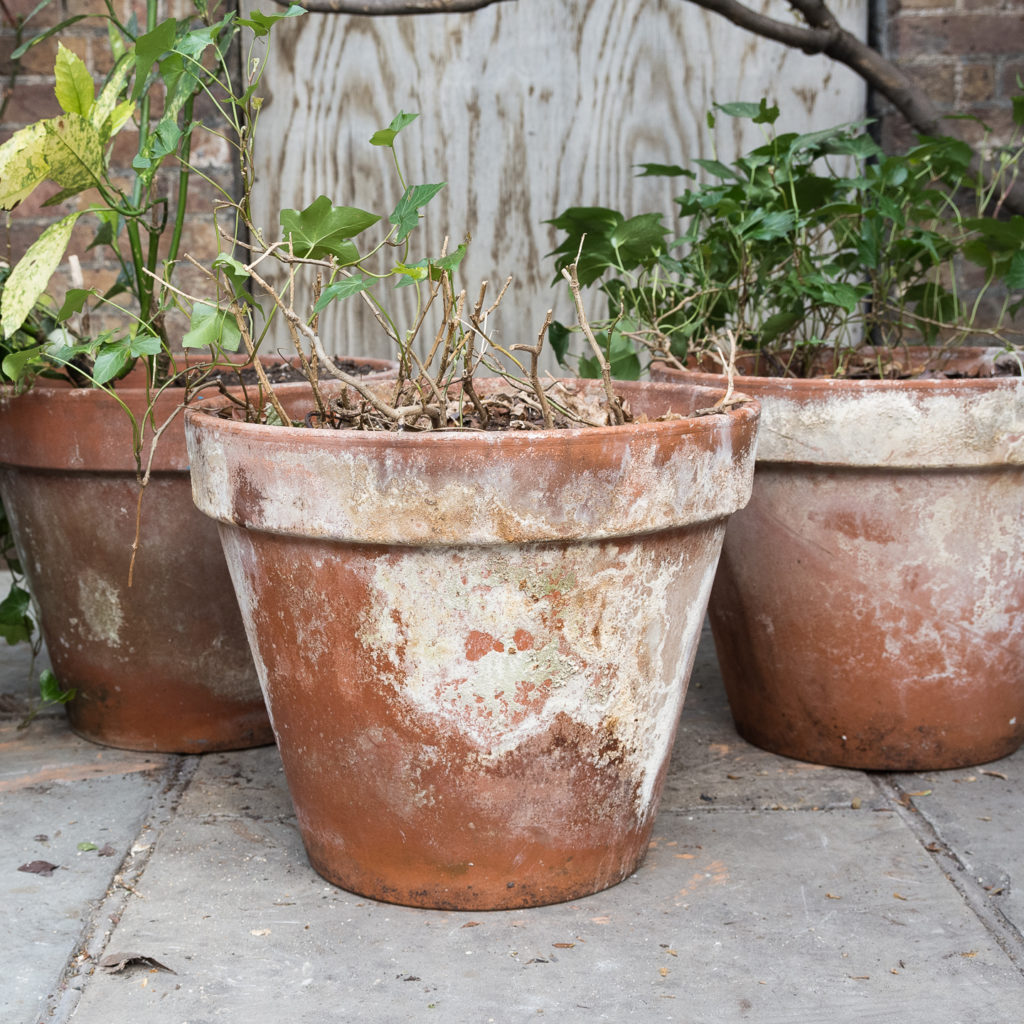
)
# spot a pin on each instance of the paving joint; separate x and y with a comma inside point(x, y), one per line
point(1006, 935)
point(99, 925)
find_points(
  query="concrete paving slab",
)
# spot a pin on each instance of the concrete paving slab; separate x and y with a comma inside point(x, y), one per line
point(978, 813)
point(766, 916)
point(773, 892)
point(713, 767)
point(57, 792)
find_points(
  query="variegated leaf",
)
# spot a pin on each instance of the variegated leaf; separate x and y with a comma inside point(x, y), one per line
point(31, 275)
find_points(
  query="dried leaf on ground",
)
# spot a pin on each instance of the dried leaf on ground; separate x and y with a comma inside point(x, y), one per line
point(39, 867)
point(114, 962)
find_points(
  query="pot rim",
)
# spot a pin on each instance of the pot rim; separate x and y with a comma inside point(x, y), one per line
point(458, 488)
point(809, 386)
point(740, 413)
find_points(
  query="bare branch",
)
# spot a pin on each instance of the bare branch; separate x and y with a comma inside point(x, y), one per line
point(373, 8)
point(823, 34)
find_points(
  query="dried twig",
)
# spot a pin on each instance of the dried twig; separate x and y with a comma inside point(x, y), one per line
point(615, 412)
point(535, 351)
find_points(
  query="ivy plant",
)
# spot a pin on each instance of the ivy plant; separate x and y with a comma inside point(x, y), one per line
point(807, 240)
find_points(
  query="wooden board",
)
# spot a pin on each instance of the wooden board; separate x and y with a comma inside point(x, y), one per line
point(526, 107)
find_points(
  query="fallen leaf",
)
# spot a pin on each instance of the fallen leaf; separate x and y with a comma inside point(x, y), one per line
point(970, 956)
point(663, 971)
point(41, 838)
point(471, 924)
point(859, 977)
point(920, 792)
point(563, 945)
point(106, 850)
point(897, 896)
point(934, 848)
point(995, 775)
point(39, 867)
point(832, 896)
point(260, 931)
point(87, 847)
point(855, 803)
point(114, 962)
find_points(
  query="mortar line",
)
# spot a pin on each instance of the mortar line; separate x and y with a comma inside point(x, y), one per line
point(1006, 935)
point(98, 926)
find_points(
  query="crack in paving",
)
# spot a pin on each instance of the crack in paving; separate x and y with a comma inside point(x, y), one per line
point(99, 925)
point(1005, 934)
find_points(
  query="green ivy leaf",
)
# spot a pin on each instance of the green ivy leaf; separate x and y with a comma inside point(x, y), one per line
point(663, 171)
point(111, 362)
point(15, 364)
point(149, 48)
point(340, 290)
point(261, 23)
point(87, 847)
point(451, 262)
point(1015, 273)
point(145, 345)
point(236, 274)
point(386, 136)
point(15, 624)
point(75, 88)
point(74, 302)
point(29, 278)
point(212, 328)
point(406, 215)
point(50, 689)
point(322, 229)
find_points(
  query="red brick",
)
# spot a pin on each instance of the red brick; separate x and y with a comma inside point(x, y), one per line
point(967, 35)
point(30, 103)
point(979, 83)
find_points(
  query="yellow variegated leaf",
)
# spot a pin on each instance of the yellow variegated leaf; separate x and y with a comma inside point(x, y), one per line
point(23, 164)
point(75, 88)
point(74, 152)
point(119, 118)
point(106, 109)
point(29, 278)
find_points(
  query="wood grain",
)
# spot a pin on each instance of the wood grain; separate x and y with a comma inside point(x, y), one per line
point(526, 108)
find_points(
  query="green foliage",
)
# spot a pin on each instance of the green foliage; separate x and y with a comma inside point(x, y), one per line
point(815, 238)
point(322, 229)
point(159, 71)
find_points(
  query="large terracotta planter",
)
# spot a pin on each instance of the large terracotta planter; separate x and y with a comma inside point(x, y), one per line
point(869, 605)
point(163, 665)
point(475, 646)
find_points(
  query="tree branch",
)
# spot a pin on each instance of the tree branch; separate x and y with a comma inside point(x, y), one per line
point(380, 7)
point(823, 34)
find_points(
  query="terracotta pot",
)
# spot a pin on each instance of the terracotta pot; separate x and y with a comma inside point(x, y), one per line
point(475, 646)
point(869, 605)
point(164, 665)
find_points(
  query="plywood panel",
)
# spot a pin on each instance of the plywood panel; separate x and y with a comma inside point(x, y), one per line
point(526, 107)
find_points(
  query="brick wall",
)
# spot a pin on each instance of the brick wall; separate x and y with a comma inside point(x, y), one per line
point(966, 54)
point(28, 94)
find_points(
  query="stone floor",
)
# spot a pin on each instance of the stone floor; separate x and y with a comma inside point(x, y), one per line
point(773, 891)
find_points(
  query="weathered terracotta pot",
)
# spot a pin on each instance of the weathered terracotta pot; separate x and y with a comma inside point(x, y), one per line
point(869, 605)
point(475, 646)
point(162, 666)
